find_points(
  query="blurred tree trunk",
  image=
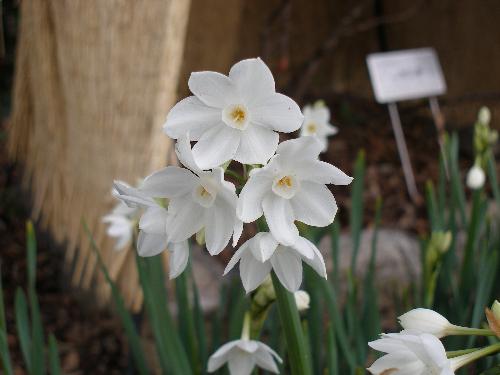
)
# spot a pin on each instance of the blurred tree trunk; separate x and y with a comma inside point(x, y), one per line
point(94, 81)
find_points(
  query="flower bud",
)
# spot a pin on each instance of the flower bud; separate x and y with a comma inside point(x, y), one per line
point(484, 115)
point(475, 177)
point(302, 300)
point(425, 321)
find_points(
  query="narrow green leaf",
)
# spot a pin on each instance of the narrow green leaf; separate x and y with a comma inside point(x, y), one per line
point(298, 355)
point(37, 335)
point(338, 325)
point(126, 318)
point(172, 356)
point(54, 363)
point(186, 320)
point(356, 219)
point(31, 254)
point(23, 326)
point(314, 318)
point(332, 357)
point(4, 347)
point(199, 320)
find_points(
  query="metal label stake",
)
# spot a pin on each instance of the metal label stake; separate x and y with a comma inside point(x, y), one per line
point(403, 153)
point(407, 75)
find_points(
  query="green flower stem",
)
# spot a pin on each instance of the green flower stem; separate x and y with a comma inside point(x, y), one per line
point(465, 359)
point(298, 355)
point(457, 353)
point(245, 332)
point(466, 331)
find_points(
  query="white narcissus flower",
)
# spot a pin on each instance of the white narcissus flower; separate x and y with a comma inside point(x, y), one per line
point(153, 235)
point(317, 124)
point(410, 354)
point(426, 321)
point(261, 253)
point(197, 200)
point(292, 187)
point(233, 117)
point(121, 220)
point(475, 177)
point(242, 356)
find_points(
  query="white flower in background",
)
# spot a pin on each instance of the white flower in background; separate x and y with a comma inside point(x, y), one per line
point(153, 236)
point(484, 115)
point(410, 354)
point(302, 300)
point(261, 253)
point(475, 177)
point(197, 200)
point(292, 187)
point(122, 221)
point(426, 321)
point(233, 117)
point(317, 123)
point(242, 356)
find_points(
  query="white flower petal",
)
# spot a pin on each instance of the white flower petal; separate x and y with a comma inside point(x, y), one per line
point(219, 226)
point(249, 207)
point(288, 267)
point(249, 346)
point(279, 218)
point(216, 146)
point(403, 361)
point(218, 359)
point(193, 116)
point(237, 231)
point(169, 182)
point(263, 246)
point(150, 244)
point(185, 153)
point(257, 145)
point(434, 349)
point(385, 345)
point(132, 197)
point(265, 360)
point(240, 363)
point(314, 204)
point(212, 88)
point(317, 262)
point(307, 147)
point(154, 220)
point(186, 217)
point(321, 172)
point(253, 79)
point(178, 259)
point(236, 257)
point(252, 272)
point(277, 112)
point(305, 248)
point(425, 321)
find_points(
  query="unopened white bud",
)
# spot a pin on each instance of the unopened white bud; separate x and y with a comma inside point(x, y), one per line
point(425, 321)
point(475, 177)
point(484, 116)
point(302, 300)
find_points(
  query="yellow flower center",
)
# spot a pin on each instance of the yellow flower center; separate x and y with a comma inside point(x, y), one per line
point(285, 181)
point(238, 115)
point(311, 128)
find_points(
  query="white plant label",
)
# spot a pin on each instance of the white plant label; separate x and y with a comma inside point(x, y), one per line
point(405, 75)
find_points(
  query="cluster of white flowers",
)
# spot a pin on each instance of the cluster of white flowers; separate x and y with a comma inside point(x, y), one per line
point(237, 118)
point(418, 349)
